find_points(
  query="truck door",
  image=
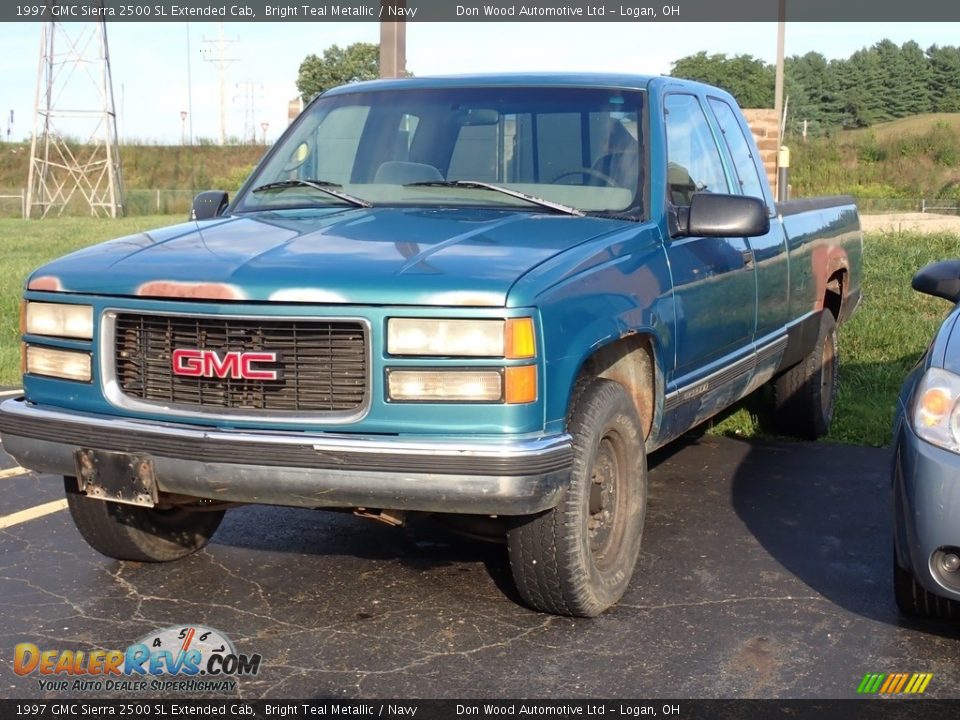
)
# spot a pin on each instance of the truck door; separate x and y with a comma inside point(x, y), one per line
point(770, 250)
point(714, 280)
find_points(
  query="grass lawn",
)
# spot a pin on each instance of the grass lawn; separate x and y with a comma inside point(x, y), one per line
point(878, 346)
point(26, 244)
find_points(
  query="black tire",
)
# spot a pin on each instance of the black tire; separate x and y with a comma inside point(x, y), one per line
point(128, 532)
point(577, 559)
point(805, 395)
point(914, 600)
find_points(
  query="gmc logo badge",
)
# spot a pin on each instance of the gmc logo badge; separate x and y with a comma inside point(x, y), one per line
point(232, 364)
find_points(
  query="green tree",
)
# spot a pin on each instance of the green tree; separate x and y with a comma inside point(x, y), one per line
point(338, 66)
point(917, 75)
point(944, 78)
point(811, 88)
point(861, 86)
point(749, 80)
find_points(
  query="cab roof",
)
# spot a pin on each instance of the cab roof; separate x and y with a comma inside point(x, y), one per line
point(555, 79)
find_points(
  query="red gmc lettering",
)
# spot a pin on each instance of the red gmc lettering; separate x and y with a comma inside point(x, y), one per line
point(247, 370)
point(233, 364)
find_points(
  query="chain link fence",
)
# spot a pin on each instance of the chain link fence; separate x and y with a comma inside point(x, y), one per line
point(13, 203)
point(884, 206)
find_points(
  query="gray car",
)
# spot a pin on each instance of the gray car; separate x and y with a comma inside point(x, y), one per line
point(926, 465)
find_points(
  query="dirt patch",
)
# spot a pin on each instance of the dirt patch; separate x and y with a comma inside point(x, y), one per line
point(913, 222)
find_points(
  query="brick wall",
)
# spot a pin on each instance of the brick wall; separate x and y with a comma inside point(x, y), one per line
point(763, 124)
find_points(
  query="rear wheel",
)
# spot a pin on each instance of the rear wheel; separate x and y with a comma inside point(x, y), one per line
point(577, 558)
point(916, 601)
point(129, 532)
point(805, 394)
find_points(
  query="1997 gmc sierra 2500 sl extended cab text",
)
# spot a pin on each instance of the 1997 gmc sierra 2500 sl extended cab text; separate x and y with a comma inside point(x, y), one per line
point(479, 297)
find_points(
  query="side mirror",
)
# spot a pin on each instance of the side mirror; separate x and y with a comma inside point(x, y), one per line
point(940, 279)
point(209, 204)
point(719, 215)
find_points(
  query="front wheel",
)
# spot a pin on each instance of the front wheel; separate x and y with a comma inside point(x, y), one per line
point(577, 558)
point(914, 600)
point(129, 532)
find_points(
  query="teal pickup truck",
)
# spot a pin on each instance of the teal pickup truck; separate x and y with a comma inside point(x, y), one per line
point(484, 298)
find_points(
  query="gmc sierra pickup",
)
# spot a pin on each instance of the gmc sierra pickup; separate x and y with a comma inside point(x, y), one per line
point(486, 298)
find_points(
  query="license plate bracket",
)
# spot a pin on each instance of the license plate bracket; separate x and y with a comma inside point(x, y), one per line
point(119, 477)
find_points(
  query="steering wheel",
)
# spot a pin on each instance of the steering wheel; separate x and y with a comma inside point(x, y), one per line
point(587, 172)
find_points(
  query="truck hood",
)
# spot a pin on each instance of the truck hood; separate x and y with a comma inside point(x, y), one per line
point(355, 256)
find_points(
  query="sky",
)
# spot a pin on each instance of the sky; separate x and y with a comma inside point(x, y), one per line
point(161, 69)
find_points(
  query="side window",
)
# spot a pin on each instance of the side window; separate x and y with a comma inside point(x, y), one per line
point(693, 159)
point(740, 148)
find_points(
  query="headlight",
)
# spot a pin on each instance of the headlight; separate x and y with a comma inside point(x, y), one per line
point(445, 385)
point(461, 338)
point(66, 364)
point(59, 320)
point(512, 385)
point(936, 414)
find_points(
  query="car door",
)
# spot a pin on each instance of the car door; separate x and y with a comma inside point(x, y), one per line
point(714, 281)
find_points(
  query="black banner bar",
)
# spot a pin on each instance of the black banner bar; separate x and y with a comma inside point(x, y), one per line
point(886, 708)
point(479, 11)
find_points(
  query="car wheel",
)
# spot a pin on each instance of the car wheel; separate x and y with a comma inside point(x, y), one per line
point(805, 395)
point(916, 601)
point(577, 558)
point(129, 532)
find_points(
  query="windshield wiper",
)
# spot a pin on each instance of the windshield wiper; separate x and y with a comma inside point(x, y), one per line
point(324, 186)
point(476, 184)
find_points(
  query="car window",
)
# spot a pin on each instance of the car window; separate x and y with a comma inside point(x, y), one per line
point(574, 146)
point(337, 139)
point(740, 148)
point(693, 158)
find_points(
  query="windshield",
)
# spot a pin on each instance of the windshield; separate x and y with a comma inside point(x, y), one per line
point(576, 147)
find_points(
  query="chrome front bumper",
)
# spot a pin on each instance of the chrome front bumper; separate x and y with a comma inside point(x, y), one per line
point(466, 475)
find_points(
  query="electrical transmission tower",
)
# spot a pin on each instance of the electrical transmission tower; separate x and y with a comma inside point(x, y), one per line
point(74, 156)
point(251, 94)
point(221, 60)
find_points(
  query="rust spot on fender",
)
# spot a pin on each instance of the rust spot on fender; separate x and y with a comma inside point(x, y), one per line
point(195, 290)
point(46, 282)
point(826, 261)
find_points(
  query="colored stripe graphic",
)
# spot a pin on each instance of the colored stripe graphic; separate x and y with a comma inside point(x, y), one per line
point(894, 683)
point(871, 683)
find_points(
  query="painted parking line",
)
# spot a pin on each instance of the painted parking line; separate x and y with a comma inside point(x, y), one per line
point(32, 513)
point(5, 393)
point(13, 472)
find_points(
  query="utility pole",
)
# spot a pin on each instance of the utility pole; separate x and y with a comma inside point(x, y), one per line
point(781, 33)
point(74, 96)
point(222, 60)
point(393, 44)
point(189, 83)
point(782, 157)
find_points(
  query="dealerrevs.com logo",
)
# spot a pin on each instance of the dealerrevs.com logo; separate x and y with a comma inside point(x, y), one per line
point(176, 659)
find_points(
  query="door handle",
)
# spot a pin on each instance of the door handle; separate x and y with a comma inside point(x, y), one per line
point(748, 260)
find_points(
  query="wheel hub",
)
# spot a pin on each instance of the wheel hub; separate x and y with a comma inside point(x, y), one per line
point(601, 522)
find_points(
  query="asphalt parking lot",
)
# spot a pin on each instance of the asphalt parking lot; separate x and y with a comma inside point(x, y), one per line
point(764, 573)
